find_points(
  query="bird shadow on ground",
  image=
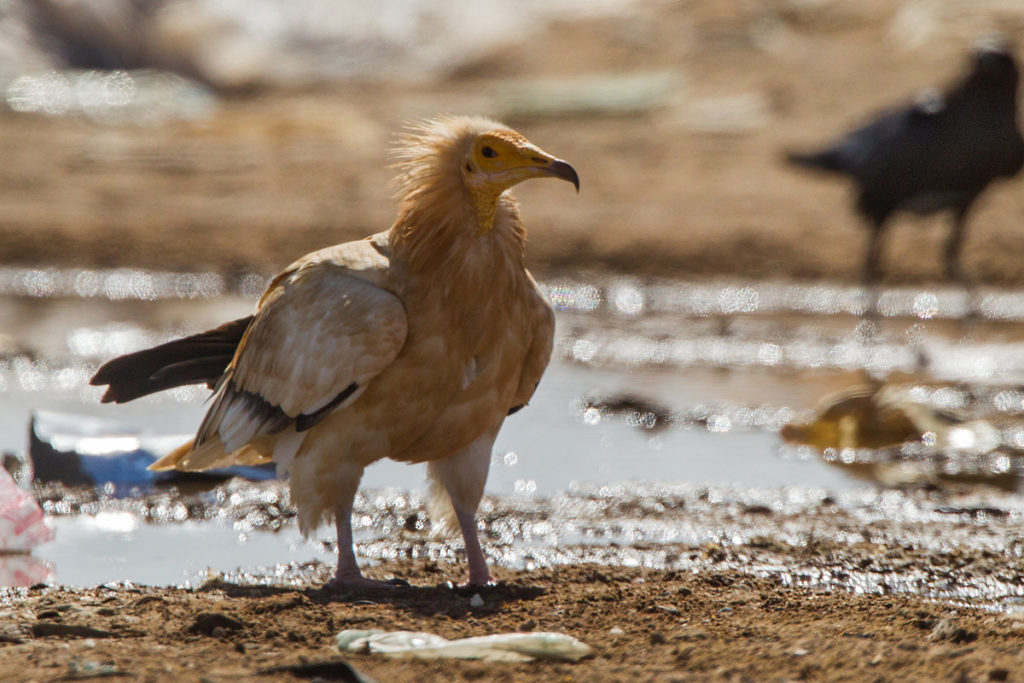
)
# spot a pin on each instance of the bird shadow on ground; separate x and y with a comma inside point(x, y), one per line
point(452, 601)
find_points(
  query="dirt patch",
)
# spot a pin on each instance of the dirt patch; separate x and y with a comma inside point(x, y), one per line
point(641, 624)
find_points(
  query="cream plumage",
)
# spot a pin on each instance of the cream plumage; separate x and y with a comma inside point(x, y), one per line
point(413, 344)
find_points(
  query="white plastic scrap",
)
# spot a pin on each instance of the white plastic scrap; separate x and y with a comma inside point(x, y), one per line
point(500, 647)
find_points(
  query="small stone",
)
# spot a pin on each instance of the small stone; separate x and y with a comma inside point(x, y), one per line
point(476, 602)
point(657, 638)
point(799, 652)
point(725, 610)
point(528, 625)
point(718, 580)
point(218, 632)
point(90, 669)
point(949, 629)
point(207, 623)
point(616, 631)
point(671, 609)
point(683, 654)
point(47, 628)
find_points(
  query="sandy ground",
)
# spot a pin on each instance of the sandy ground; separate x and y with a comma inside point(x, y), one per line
point(642, 625)
point(692, 188)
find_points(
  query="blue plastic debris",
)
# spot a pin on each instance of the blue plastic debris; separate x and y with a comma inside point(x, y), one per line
point(85, 450)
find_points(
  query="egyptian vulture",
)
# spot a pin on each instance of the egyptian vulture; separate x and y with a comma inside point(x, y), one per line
point(413, 344)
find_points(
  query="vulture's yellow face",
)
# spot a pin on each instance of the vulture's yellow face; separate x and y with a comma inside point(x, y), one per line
point(502, 158)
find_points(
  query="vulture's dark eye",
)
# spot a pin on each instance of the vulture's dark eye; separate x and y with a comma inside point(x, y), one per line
point(488, 152)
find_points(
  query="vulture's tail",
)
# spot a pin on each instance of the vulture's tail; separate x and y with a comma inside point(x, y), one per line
point(200, 358)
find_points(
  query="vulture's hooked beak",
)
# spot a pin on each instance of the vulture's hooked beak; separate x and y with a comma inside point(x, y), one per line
point(562, 169)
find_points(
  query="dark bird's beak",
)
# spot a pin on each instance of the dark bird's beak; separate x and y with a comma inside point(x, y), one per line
point(562, 169)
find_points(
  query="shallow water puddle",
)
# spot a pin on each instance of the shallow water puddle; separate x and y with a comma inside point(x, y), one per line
point(589, 447)
point(729, 363)
point(117, 546)
point(952, 548)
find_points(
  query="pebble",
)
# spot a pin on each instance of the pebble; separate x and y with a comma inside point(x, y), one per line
point(476, 602)
point(949, 629)
point(45, 628)
point(208, 624)
point(91, 669)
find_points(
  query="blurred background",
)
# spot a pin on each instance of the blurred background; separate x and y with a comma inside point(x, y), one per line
point(162, 158)
point(134, 131)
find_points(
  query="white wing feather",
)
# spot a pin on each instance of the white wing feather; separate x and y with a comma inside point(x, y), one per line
point(319, 336)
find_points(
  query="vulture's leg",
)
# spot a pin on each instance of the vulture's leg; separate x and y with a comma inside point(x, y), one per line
point(463, 476)
point(347, 574)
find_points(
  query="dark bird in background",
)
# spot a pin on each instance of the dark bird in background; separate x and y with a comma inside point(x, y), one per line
point(939, 153)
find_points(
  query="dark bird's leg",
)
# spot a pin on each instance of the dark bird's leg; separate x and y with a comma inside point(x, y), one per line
point(954, 269)
point(872, 275)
